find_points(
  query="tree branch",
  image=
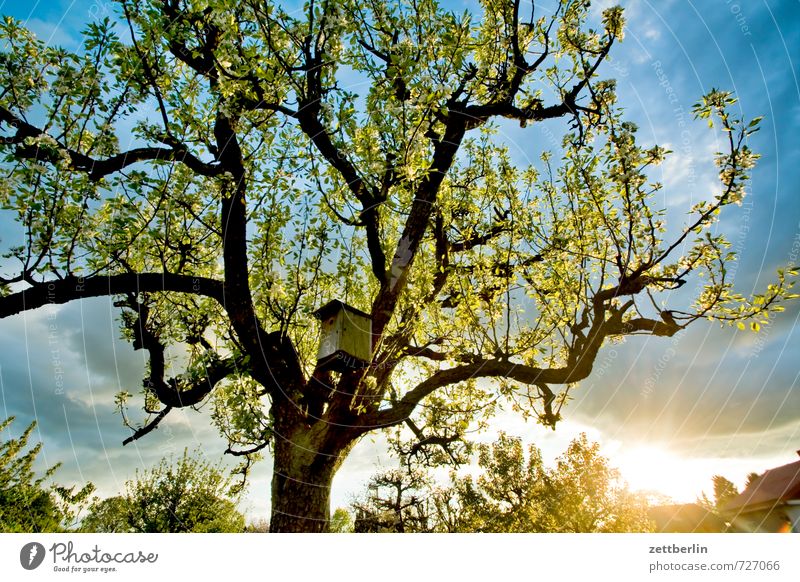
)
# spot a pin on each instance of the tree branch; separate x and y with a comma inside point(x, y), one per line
point(274, 362)
point(250, 451)
point(433, 440)
point(72, 288)
point(149, 427)
point(579, 361)
point(461, 117)
point(96, 169)
point(478, 240)
point(444, 154)
point(536, 112)
point(175, 392)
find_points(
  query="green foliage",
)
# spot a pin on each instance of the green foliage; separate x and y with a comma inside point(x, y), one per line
point(724, 491)
point(513, 492)
point(27, 504)
point(509, 494)
point(589, 495)
point(341, 521)
point(187, 496)
point(108, 515)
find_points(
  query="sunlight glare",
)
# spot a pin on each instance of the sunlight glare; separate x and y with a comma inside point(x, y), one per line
point(650, 468)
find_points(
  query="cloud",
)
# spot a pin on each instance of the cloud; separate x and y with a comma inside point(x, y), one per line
point(62, 366)
point(699, 386)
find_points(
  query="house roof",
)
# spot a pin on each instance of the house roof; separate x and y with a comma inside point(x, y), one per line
point(772, 487)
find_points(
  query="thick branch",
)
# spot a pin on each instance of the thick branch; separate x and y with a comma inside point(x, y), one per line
point(433, 440)
point(273, 359)
point(480, 369)
point(580, 361)
point(200, 58)
point(95, 168)
point(175, 392)
point(72, 288)
point(319, 136)
point(666, 328)
point(445, 151)
point(250, 451)
point(478, 240)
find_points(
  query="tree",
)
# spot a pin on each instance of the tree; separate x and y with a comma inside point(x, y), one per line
point(256, 184)
point(396, 502)
point(188, 496)
point(587, 495)
point(108, 515)
point(26, 504)
point(514, 492)
point(724, 491)
point(341, 522)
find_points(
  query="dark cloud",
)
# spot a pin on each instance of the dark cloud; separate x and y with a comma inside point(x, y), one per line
point(62, 368)
point(709, 382)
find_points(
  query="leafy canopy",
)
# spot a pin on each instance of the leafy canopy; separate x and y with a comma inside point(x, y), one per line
point(223, 168)
point(27, 502)
point(513, 492)
point(184, 496)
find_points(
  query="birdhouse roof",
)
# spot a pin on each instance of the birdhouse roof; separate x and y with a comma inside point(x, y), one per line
point(336, 305)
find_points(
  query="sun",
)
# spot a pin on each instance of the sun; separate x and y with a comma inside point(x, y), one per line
point(652, 468)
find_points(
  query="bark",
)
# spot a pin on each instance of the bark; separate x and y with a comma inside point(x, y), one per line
point(303, 471)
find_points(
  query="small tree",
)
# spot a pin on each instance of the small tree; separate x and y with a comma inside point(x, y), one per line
point(587, 495)
point(27, 504)
point(187, 496)
point(514, 492)
point(511, 494)
point(110, 515)
point(395, 502)
point(341, 521)
point(724, 491)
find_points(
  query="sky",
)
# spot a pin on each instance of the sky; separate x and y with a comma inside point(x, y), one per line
point(670, 413)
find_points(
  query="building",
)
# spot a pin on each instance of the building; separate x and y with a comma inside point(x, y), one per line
point(771, 503)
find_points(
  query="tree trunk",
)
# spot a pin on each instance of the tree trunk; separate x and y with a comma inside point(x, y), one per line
point(301, 484)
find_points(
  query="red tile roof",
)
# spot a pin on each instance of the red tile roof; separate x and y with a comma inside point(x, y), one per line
point(773, 486)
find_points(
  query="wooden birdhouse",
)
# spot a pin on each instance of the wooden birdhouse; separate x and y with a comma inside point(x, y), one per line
point(346, 339)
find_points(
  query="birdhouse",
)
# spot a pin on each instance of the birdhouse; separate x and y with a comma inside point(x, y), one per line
point(346, 341)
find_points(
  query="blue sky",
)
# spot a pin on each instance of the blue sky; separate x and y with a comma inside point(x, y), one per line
point(714, 400)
